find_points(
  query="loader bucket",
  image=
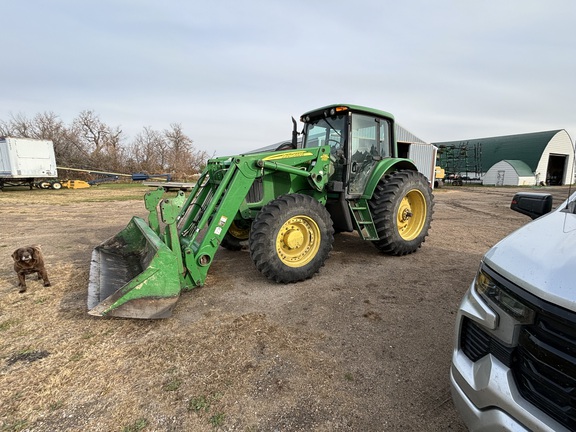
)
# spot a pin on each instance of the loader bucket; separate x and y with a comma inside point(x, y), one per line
point(134, 275)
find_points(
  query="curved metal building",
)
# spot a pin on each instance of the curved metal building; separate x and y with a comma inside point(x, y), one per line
point(548, 155)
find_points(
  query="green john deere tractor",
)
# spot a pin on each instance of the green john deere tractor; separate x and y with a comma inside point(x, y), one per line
point(286, 204)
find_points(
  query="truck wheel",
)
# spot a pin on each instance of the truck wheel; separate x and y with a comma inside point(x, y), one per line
point(291, 238)
point(402, 207)
point(237, 235)
point(56, 185)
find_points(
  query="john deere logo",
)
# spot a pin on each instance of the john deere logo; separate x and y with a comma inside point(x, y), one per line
point(288, 155)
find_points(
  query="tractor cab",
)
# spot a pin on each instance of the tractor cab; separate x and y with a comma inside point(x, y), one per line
point(358, 138)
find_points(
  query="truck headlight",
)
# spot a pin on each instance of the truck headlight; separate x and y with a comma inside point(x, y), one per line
point(491, 290)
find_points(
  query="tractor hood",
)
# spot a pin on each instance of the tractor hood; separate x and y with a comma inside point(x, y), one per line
point(539, 257)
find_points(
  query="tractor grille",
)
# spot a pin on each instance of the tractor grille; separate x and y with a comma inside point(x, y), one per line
point(544, 361)
point(256, 192)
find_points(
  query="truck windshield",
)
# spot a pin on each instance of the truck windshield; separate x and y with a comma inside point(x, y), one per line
point(326, 131)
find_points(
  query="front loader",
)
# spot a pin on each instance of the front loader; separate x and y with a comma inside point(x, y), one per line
point(286, 204)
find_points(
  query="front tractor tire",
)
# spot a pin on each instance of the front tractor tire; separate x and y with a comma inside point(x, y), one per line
point(237, 236)
point(291, 238)
point(402, 207)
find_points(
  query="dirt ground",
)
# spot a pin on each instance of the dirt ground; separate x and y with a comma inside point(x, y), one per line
point(363, 346)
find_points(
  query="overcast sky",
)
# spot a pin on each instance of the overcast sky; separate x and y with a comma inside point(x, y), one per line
point(233, 72)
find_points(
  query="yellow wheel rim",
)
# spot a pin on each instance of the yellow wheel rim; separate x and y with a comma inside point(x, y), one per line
point(239, 233)
point(411, 215)
point(298, 241)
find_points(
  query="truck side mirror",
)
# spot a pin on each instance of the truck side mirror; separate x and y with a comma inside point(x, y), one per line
point(532, 204)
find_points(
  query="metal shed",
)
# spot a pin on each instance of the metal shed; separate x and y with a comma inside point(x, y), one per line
point(509, 173)
point(549, 155)
point(420, 152)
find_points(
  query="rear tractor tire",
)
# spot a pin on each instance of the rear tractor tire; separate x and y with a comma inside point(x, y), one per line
point(291, 238)
point(402, 207)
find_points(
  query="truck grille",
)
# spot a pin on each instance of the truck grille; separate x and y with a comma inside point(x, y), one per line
point(476, 343)
point(544, 361)
point(546, 369)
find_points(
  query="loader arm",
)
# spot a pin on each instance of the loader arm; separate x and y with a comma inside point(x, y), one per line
point(207, 215)
point(141, 272)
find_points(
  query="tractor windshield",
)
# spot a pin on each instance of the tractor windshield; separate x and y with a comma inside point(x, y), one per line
point(326, 131)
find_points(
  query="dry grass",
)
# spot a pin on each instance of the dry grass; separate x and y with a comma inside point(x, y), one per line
point(101, 193)
point(364, 345)
point(61, 369)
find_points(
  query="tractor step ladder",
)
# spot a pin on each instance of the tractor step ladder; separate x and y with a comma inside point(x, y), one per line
point(363, 219)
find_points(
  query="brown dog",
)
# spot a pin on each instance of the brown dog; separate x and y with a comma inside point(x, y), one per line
point(29, 260)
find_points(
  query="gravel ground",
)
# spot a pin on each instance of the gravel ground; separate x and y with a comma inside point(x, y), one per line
point(363, 346)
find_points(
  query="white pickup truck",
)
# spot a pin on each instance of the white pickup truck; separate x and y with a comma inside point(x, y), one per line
point(514, 360)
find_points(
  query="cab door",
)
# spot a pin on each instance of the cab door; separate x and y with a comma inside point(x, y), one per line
point(369, 144)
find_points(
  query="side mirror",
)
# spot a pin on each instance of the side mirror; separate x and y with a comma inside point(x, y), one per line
point(532, 204)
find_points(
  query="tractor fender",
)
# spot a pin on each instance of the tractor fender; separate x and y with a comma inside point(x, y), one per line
point(384, 167)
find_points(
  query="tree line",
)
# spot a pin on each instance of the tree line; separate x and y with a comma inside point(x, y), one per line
point(91, 144)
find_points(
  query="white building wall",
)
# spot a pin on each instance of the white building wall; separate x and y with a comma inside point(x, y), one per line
point(501, 174)
point(424, 157)
point(504, 174)
point(560, 144)
point(527, 181)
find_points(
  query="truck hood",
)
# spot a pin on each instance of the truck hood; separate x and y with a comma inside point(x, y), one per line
point(541, 258)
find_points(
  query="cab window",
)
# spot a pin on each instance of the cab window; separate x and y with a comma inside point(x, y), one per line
point(326, 131)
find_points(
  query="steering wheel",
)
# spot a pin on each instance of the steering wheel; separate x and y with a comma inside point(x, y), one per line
point(335, 157)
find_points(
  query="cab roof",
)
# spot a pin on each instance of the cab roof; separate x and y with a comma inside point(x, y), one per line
point(354, 108)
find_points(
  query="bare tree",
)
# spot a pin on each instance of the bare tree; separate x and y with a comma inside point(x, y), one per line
point(17, 126)
point(4, 129)
point(90, 143)
point(101, 142)
point(144, 151)
point(184, 159)
point(47, 125)
point(98, 136)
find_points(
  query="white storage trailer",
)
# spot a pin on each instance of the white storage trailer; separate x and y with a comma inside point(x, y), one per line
point(27, 161)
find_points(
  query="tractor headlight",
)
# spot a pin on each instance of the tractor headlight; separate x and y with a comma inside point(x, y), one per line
point(495, 293)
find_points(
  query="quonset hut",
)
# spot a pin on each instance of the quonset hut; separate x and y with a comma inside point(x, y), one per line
point(515, 160)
